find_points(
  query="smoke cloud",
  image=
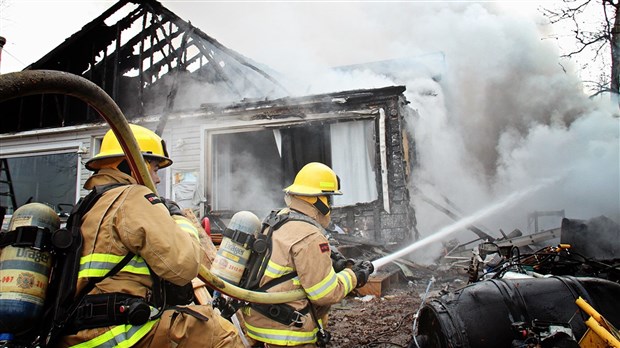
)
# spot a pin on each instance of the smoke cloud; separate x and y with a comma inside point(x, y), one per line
point(497, 111)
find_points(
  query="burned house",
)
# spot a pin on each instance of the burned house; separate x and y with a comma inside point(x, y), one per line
point(236, 135)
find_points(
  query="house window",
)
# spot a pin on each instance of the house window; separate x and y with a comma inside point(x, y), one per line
point(49, 179)
point(251, 167)
point(353, 159)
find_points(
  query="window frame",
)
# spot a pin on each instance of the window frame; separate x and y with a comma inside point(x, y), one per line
point(44, 149)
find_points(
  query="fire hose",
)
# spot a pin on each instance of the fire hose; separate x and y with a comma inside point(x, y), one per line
point(34, 82)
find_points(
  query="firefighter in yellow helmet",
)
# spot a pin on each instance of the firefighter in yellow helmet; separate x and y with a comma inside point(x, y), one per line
point(153, 252)
point(300, 259)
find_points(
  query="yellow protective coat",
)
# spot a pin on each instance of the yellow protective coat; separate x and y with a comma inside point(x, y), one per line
point(302, 247)
point(123, 220)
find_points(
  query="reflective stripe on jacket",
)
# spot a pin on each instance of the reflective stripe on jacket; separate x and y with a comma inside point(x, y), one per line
point(281, 337)
point(98, 265)
point(298, 246)
point(119, 336)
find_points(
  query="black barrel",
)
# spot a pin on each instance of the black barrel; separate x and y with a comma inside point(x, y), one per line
point(481, 315)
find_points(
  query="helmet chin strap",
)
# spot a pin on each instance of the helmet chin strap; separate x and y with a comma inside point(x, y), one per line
point(322, 207)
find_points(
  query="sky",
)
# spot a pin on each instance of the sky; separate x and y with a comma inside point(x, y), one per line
point(496, 111)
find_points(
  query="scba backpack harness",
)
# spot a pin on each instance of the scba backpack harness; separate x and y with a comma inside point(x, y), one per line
point(66, 312)
point(261, 247)
point(65, 245)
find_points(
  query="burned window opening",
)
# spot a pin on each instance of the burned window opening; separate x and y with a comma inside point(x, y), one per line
point(251, 167)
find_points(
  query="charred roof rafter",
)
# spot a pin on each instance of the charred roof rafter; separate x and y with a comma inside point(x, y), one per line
point(134, 59)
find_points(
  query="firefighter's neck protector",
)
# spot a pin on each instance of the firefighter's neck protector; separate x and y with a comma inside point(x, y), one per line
point(151, 145)
point(315, 179)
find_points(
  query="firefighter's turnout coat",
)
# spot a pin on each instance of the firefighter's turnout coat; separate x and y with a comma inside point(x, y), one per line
point(130, 218)
point(299, 246)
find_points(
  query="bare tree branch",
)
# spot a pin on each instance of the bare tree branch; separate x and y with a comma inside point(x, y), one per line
point(595, 37)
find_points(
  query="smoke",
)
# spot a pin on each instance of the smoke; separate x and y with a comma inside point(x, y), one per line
point(497, 110)
point(258, 195)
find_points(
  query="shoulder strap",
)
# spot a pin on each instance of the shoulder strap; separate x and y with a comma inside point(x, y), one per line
point(261, 250)
point(297, 216)
point(276, 219)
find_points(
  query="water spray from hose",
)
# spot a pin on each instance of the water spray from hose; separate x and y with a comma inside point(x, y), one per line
point(463, 223)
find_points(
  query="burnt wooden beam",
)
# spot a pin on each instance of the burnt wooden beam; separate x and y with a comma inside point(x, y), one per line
point(126, 49)
point(478, 232)
point(141, 36)
point(115, 71)
point(160, 44)
point(155, 67)
point(183, 25)
point(158, 65)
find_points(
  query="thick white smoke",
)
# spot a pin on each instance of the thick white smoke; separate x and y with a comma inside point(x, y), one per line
point(497, 110)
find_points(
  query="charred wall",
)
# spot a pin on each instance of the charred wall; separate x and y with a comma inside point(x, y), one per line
point(372, 221)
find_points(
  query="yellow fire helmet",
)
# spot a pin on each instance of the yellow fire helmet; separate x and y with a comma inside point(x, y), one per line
point(315, 179)
point(151, 145)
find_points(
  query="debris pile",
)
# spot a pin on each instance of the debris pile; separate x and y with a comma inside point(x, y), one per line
point(527, 292)
point(386, 320)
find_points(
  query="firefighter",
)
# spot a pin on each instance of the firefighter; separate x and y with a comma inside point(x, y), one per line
point(300, 258)
point(147, 303)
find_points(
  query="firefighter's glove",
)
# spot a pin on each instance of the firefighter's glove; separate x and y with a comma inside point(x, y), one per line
point(172, 206)
point(342, 263)
point(339, 262)
point(362, 270)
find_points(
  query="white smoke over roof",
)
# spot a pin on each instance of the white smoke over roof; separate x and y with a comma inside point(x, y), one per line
point(497, 110)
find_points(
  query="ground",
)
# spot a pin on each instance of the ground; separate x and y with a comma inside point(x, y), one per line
point(386, 321)
point(374, 322)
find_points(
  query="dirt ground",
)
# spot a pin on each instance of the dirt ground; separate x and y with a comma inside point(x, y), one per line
point(387, 321)
point(374, 322)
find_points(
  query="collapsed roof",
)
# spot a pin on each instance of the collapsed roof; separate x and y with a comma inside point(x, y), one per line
point(149, 61)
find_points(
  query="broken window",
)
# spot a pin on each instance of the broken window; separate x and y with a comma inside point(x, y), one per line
point(49, 179)
point(250, 167)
